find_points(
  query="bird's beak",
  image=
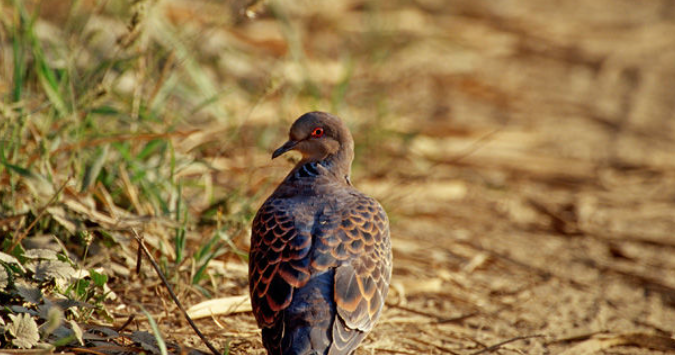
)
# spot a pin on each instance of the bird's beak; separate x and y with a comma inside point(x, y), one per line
point(290, 145)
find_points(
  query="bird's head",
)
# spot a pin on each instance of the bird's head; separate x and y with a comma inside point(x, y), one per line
point(317, 136)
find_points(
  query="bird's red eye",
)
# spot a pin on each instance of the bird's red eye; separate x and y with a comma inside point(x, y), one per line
point(317, 132)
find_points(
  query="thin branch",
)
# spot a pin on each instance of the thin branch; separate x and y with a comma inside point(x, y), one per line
point(438, 318)
point(86, 351)
point(142, 246)
point(42, 211)
point(126, 324)
point(492, 348)
point(474, 147)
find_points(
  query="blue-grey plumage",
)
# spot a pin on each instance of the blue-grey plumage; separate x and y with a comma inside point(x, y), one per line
point(320, 259)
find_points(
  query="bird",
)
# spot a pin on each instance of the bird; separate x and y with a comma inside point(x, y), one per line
point(320, 260)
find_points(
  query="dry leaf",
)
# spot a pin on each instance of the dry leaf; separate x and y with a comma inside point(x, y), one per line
point(220, 306)
point(53, 269)
point(29, 293)
point(4, 278)
point(59, 215)
point(77, 331)
point(24, 330)
point(46, 254)
point(9, 259)
point(146, 340)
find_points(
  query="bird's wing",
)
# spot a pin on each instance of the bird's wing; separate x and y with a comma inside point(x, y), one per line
point(359, 247)
point(278, 261)
point(351, 237)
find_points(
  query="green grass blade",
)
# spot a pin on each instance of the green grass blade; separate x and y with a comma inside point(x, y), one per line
point(151, 148)
point(19, 65)
point(94, 169)
point(155, 329)
point(45, 75)
point(49, 82)
point(180, 238)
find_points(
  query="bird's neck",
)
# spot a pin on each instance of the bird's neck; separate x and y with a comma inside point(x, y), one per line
point(334, 167)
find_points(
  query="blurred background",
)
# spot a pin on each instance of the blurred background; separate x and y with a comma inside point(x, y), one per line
point(524, 150)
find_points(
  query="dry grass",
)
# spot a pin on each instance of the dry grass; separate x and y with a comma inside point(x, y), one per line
point(525, 152)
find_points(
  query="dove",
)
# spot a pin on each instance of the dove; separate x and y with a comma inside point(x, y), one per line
point(320, 260)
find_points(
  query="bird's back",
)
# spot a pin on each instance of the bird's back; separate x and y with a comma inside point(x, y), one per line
point(320, 264)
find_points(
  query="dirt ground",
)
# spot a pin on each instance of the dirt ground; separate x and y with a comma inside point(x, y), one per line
point(533, 209)
point(524, 150)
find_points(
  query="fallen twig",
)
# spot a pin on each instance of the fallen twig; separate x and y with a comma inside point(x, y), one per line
point(142, 246)
point(42, 210)
point(600, 341)
point(438, 318)
point(492, 348)
point(126, 324)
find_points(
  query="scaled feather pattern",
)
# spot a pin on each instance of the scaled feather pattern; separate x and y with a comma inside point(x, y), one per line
point(320, 259)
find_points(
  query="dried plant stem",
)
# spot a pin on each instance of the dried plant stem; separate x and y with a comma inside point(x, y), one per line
point(142, 246)
point(126, 324)
point(492, 348)
point(86, 351)
point(39, 215)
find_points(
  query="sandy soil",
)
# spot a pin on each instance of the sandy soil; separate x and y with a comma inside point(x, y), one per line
point(533, 205)
point(525, 152)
